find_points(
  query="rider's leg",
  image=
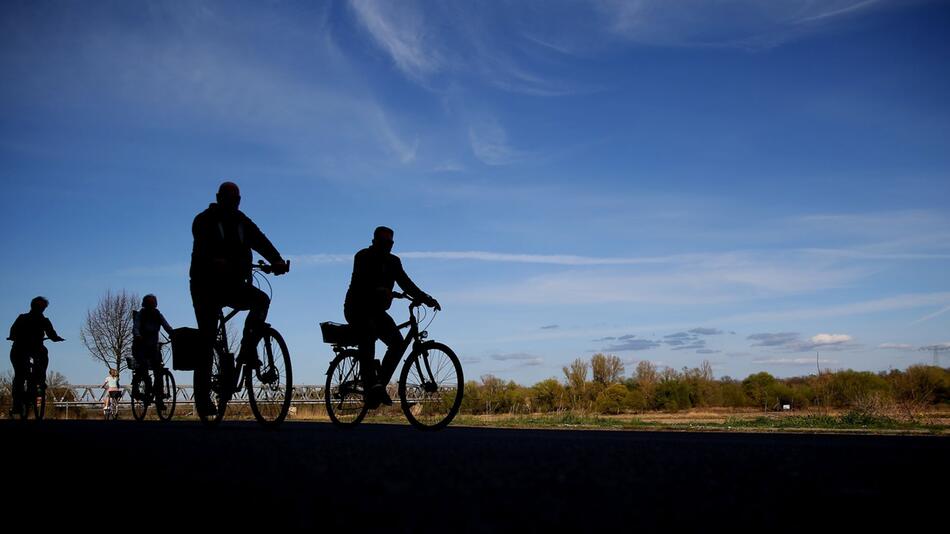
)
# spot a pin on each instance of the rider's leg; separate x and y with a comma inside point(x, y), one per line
point(389, 334)
point(40, 363)
point(257, 303)
point(366, 333)
point(206, 313)
point(21, 370)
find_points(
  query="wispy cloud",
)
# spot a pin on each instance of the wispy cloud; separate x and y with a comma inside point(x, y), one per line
point(741, 24)
point(895, 346)
point(791, 361)
point(490, 144)
point(780, 339)
point(523, 358)
point(928, 317)
point(550, 327)
point(550, 259)
point(632, 344)
point(399, 29)
point(706, 331)
point(887, 304)
point(792, 341)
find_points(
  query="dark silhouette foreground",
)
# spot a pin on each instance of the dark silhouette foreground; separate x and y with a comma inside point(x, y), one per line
point(316, 477)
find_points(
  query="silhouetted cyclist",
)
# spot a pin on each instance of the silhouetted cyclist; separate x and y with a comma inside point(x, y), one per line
point(146, 324)
point(27, 334)
point(375, 270)
point(221, 275)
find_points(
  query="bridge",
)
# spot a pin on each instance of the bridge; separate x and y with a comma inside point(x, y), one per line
point(93, 395)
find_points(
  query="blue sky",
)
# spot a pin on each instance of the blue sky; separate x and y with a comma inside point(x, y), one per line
point(742, 182)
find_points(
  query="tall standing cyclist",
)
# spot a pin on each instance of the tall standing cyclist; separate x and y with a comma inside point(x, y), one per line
point(375, 271)
point(27, 334)
point(221, 276)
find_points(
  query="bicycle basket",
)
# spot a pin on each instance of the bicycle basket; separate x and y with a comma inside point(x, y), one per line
point(338, 334)
point(186, 348)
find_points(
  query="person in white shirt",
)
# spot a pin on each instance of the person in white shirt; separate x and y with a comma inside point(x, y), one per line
point(113, 390)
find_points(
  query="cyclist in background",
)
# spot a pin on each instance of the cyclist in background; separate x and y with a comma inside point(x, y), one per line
point(221, 276)
point(375, 270)
point(113, 389)
point(27, 334)
point(146, 324)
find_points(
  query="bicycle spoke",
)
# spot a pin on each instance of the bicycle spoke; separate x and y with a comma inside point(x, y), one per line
point(430, 388)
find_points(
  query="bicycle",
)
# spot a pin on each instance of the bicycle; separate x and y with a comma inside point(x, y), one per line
point(430, 385)
point(269, 383)
point(35, 391)
point(112, 412)
point(143, 394)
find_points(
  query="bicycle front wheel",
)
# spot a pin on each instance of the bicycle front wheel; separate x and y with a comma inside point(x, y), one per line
point(430, 386)
point(140, 395)
point(269, 383)
point(167, 394)
point(343, 394)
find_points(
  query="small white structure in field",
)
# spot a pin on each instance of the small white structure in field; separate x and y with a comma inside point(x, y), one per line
point(786, 407)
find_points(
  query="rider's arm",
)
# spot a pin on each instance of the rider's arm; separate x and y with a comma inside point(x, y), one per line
point(136, 324)
point(165, 325)
point(50, 332)
point(259, 242)
point(13, 329)
point(412, 289)
point(407, 284)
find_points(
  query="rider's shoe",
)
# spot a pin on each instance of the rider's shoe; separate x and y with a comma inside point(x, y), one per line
point(377, 395)
point(206, 408)
point(249, 356)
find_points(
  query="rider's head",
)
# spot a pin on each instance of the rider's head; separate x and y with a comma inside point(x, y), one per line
point(150, 301)
point(38, 304)
point(383, 239)
point(113, 372)
point(229, 196)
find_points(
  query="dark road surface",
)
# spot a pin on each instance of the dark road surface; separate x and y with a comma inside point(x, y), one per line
point(316, 477)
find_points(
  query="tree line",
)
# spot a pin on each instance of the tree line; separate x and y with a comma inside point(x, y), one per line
point(600, 386)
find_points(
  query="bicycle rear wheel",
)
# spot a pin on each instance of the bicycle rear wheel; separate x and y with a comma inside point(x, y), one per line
point(167, 394)
point(140, 395)
point(218, 389)
point(270, 384)
point(343, 394)
point(431, 386)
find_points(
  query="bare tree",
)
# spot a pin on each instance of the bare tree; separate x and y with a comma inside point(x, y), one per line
point(576, 376)
point(607, 369)
point(647, 377)
point(107, 332)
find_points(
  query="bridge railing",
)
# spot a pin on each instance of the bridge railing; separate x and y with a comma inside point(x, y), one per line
point(89, 395)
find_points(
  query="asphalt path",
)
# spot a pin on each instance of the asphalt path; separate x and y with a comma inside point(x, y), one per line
point(313, 476)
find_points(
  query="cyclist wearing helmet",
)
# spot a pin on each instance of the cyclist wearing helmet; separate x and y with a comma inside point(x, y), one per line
point(27, 335)
point(375, 270)
point(221, 275)
point(146, 324)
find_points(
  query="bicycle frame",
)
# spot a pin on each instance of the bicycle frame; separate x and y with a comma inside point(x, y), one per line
point(221, 345)
point(414, 337)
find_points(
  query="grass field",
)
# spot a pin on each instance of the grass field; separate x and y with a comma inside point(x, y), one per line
point(934, 421)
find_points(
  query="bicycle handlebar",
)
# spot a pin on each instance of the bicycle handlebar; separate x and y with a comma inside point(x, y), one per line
point(269, 269)
point(415, 301)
